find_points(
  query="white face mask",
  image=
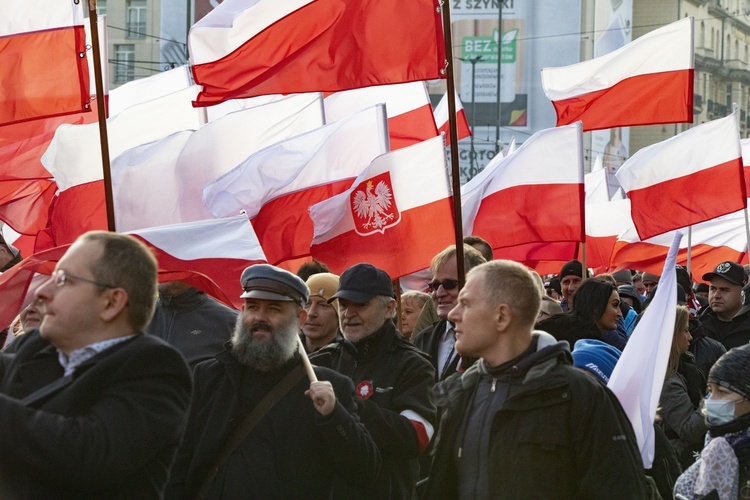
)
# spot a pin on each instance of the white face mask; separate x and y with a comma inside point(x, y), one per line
point(719, 411)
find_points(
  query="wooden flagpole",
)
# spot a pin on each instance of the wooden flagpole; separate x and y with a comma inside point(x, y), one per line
point(108, 198)
point(455, 173)
point(397, 290)
point(306, 361)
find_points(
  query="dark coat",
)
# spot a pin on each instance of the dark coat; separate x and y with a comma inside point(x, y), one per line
point(393, 377)
point(109, 431)
point(194, 323)
point(293, 451)
point(737, 334)
point(562, 435)
point(706, 350)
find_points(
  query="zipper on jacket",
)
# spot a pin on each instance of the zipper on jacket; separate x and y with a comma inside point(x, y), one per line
point(494, 384)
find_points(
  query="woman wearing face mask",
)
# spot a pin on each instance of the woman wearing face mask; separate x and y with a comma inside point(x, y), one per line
point(724, 463)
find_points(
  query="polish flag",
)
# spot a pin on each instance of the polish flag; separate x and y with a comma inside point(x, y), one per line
point(530, 197)
point(441, 118)
point(605, 221)
point(395, 216)
point(74, 158)
point(245, 48)
point(43, 66)
point(595, 182)
point(162, 182)
point(638, 377)
point(712, 242)
point(407, 106)
point(745, 144)
point(276, 185)
point(147, 89)
point(690, 178)
point(648, 81)
point(209, 255)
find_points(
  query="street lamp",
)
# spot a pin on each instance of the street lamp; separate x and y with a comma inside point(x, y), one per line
point(473, 155)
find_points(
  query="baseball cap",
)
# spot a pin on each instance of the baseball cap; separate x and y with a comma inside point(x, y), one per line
point(730, 271)
point(362, 282)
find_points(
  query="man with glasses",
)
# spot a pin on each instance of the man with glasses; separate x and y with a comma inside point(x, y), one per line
point(89, 406)
point(438, 339)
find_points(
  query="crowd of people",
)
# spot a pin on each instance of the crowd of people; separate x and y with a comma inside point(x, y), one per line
point(327, 386)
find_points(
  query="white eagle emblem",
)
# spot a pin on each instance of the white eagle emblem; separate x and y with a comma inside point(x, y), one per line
point(374, 206)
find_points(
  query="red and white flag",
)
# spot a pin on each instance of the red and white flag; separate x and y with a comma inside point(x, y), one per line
point(712, 242)
point(43, 66)
point(278, 184)
point(147, 89)
point(209, 255)
point(508, 203)
point(443, 124)
point(407, 105)
point(162, 182)
point(638, 377)
point(74, 159)
point(690, 178)
point(245, 48)
point(648, 81)
point(605, 222)
point(395, 216)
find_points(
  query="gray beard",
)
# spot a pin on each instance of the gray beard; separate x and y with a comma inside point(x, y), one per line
point(260, 354)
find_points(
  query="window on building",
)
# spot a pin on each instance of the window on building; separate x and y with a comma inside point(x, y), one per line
point(101, 7)
point(136, 18)
point(702, 36)
point(124, 63)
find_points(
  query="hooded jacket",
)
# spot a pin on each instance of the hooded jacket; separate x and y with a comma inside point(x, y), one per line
point(558, 433)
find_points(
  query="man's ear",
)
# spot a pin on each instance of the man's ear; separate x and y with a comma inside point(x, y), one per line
point(114, 301)
point(301, 317)
point(503, 317)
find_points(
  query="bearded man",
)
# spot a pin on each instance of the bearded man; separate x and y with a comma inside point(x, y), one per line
point(308, 443)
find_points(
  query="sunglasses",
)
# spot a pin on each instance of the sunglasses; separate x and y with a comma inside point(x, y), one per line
point(446, 284)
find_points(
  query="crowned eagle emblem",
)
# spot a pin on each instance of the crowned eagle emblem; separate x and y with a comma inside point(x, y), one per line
point(373, 205)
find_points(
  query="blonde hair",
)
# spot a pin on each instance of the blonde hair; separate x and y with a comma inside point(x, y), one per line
point(682, 319)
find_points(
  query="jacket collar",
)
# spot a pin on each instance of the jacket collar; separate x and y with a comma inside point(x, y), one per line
point(183, 302)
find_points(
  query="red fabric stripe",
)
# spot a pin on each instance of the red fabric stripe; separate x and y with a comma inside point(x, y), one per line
point(688, 200)
point(402, 249)
point(531, 214)
point(641, 100)
point(411, 127)
point(336, 46)
point(424, 439)
point(283, 225)
point(462, 126)
point(533, 254)
point(73, 212)
point(24, 204)
point(650, 258)
point(599, 251)
point(43, 75)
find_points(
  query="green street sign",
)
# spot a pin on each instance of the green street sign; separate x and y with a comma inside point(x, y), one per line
point(486, 47)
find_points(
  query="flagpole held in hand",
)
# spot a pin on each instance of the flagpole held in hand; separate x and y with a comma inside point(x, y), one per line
point(306, 361)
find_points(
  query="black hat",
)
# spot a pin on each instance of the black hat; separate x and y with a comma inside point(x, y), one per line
point(572, 268)
point(362, 282)
point(732, 371)
point(730, 271)
point(554, 284)
point(266, 282)
point(623, 277)
point(629, 291)
point(650, 277)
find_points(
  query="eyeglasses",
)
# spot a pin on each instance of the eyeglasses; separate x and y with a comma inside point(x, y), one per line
point(446, 284)
point(60, 277)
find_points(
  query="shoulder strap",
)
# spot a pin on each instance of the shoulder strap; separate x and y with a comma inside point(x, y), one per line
point(247, 425)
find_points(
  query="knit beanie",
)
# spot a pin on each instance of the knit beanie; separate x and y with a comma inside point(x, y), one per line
point(732, 371)
point(596, 357)
point(650, 277)
point(572, 268)
point(623, 276)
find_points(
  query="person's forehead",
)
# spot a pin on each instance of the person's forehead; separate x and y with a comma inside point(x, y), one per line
point(571, 278)
point(317, 299)
point(80, 255)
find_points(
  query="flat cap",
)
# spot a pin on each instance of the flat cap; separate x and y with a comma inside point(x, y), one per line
point(266, 282)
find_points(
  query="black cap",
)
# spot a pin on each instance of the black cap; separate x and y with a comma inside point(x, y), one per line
point(623, 277)
point(362, 282)
point(730, 271)
point(266, 282)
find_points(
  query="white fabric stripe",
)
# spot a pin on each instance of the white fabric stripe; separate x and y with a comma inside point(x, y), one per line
point(610, 218)
point(665, 49)
point(147, 89)
point(230, 238)
point(232, 23)
point(418, 176)
point(399, 99)
point(697, 149)
point(441, 110)
point(19, 16)
point(416, 417)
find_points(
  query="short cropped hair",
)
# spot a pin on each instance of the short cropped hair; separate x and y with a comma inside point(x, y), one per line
point(511, 283)
point(129, 264)
point(472, 258)
point(484, 247)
